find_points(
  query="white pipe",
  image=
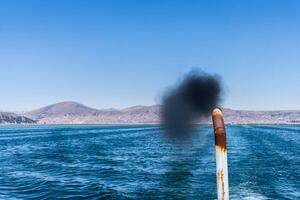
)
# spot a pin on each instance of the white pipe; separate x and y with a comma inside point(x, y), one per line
point(221, 155)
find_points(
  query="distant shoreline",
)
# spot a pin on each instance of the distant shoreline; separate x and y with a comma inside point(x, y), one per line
point(154, 124)
point(73, 113)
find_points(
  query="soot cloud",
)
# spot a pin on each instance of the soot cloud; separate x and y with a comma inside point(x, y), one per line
point(194, 97)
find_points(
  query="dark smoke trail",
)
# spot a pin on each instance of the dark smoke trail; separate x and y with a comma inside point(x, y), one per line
point(193, 98)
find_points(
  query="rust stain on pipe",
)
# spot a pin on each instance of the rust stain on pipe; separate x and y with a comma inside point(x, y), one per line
point(221, 178)
point(219, 129)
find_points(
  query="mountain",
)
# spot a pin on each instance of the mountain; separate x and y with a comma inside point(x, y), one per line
point(12, 118)
point(68, 108)
point(76, 113)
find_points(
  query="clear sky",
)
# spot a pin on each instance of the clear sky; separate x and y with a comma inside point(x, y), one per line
point(123, 53)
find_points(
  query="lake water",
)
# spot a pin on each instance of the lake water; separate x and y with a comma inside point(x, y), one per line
point(136, 162)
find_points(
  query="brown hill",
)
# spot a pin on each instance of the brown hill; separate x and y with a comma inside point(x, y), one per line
point(68, 108)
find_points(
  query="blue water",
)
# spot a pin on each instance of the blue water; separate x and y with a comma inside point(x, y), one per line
point(136, 162)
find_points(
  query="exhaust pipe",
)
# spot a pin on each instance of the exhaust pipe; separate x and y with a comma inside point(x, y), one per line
point(221, 154)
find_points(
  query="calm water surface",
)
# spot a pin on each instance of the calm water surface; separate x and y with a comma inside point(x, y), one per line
point(136, 162)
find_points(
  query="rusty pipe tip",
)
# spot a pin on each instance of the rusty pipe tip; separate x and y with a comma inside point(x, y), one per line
point(217, 117)
point(219, 128)
point(217, 112)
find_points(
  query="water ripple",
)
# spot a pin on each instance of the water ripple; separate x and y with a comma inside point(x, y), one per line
point(136, 162)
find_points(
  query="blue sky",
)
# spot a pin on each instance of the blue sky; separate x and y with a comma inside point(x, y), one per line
point(123, 53)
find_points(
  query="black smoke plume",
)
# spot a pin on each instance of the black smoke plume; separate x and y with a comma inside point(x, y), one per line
point(193, 98)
